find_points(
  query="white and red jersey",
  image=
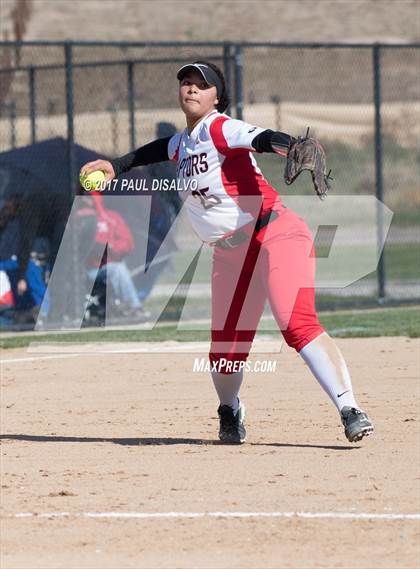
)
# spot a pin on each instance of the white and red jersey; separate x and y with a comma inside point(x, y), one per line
point(226, 188)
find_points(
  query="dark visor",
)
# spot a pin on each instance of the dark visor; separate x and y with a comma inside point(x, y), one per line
point(205, 71)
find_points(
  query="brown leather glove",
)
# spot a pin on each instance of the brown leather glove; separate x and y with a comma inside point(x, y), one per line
point(308, 154)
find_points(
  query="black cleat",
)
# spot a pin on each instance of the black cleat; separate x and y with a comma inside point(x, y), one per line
point(232, 428)
point(356, 424)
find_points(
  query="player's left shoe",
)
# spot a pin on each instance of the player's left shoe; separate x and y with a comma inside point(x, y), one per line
point(232, 428)
point(356, 424)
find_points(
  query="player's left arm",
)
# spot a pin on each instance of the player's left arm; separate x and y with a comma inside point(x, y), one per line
point(238, 134)
point(273, 141)
point(304, 153)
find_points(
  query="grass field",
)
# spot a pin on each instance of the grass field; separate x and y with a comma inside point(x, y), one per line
point(402, 260)
point(403, 321)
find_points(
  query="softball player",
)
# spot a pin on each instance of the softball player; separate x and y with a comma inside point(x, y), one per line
point(261, 249)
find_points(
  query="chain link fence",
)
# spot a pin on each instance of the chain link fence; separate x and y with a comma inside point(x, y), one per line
point(362, 101)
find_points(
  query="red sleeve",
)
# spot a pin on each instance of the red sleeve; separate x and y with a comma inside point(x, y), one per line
point(232, 135)
point(216, 133)
point(120, 238)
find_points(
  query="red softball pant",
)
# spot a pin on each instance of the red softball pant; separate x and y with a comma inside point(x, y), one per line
point(275, 264)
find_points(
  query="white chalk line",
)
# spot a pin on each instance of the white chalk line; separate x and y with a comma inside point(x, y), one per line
point(137, 348)
point(177, 515)
point(54, 357)
point(187, 349)
point(84, 354)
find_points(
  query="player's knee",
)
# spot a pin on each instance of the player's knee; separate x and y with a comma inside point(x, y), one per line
point(297, 338)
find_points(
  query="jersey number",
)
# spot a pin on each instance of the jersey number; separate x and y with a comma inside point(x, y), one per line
point(206, 201)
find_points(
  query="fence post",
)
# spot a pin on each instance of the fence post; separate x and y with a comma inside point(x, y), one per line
point(131, 104)
point(32, 103)
point(378, 165)
point(114, 127)
point(12, 124)
point(72, 174)
point(227, 65)
point(239, 98)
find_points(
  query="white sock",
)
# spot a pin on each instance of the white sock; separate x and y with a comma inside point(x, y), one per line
point(328, 366)
point(227, 387)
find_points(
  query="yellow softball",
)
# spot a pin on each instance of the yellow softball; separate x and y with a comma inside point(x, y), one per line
point(93, 181)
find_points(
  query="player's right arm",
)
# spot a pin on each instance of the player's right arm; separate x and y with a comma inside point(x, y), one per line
point(156, 151)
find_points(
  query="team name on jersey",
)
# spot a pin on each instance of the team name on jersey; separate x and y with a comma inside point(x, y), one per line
point(193, 165)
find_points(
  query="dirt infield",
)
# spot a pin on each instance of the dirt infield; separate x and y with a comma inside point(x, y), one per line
point(87, 440)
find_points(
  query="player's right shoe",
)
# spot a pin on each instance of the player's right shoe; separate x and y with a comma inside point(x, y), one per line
point(232, 428)
point(356, 424)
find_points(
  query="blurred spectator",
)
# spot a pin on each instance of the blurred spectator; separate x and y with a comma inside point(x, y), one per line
point(40, 214)
point(112, 231)
point(30, 216)
point(26, 305)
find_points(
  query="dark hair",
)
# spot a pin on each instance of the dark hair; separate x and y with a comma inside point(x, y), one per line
point(224, 99)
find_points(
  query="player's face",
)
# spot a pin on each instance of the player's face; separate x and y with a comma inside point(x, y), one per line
point(196, 97)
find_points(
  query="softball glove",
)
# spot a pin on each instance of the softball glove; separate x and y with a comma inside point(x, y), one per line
point(308, 154)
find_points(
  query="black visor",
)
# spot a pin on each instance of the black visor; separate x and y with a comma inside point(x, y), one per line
point(208, 74)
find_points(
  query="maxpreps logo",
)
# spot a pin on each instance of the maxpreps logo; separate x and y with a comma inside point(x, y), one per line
point(203, 365)
point(193, 165)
